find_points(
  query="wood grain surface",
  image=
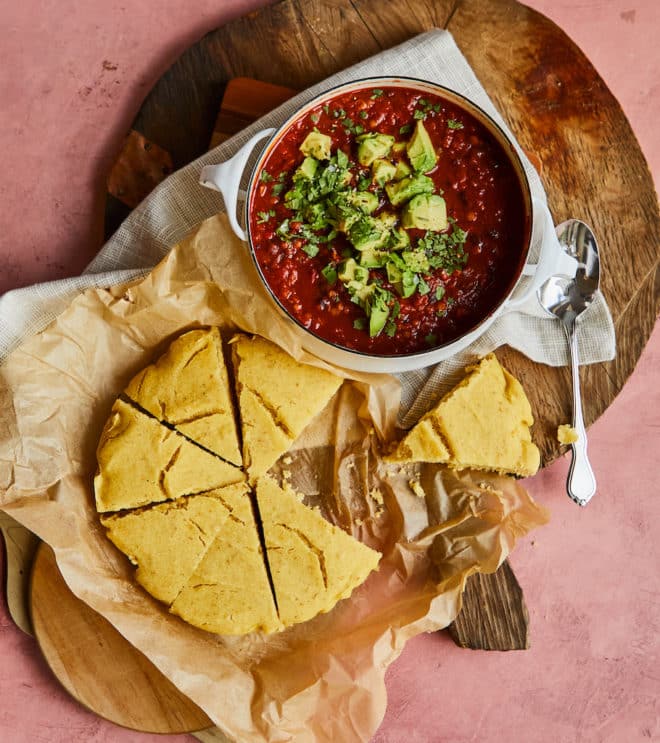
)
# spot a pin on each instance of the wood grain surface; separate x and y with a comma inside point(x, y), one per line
point(97, 666)
point(557, 107)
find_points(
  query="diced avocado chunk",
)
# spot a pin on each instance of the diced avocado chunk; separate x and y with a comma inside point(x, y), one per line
point(350, 271)
point(420, 150)
point(317, 145)
point(377, 318)
point(402, 278)
point(365, 201)
point(387, 219)
point(373, 258)
point(383, 171)
point(368, 233)
point(425, 212)
point(307, 168)
point(402, 170)
point(372, 146)
point(394, 273)
point(405, 189)
point(408, 284)
point(416, 260)
point(399, 240)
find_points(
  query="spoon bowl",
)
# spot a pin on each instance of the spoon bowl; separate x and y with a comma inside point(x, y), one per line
point(566, 299)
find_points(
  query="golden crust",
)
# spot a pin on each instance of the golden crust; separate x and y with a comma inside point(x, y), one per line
point(483, 423)
point(188, 387)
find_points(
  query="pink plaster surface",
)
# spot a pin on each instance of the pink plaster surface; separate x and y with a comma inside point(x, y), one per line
point(590, 577)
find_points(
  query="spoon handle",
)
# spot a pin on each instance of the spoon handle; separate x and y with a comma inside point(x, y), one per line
point(581, 483)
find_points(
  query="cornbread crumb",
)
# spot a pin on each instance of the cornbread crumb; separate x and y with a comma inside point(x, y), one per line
point(287, 460)
point(417, 489)
point(566, 434)
point(288, 488)
point(376, 495)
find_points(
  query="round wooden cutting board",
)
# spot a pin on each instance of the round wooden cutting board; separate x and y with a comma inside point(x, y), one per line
point(97, 666)
point(558, 108)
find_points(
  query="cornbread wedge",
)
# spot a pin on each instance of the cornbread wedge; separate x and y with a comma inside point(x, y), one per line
point(142, 462)
point(188, 388)
point(229, 592)
point(313, 564)
point(483, 423)
point(167, 541)
point(278, 398)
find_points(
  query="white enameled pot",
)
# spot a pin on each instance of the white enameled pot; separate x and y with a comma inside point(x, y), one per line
point(228, 176)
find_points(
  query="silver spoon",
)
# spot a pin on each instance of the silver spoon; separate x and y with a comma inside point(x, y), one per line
point(567, 299)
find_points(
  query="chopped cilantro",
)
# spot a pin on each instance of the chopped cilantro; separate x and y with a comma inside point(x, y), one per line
point(396, 310)
point(360, 323)
point(453, 124)
point(430, 339)
point(283, 230)
point(363, 183)
point(419, 114)
point(330, 273)
point(423, 102)
point(265, 216)
point(390, 329)
point(405, 129)
point(266, 177)
point(363, 115)
point(422, 286)
point(282, 176)
point(376, 93)
point(311, 249)
point(436, 107)
point(315, 118)
point(444, 250)
point(439, 293)
point(326, 108)
point(278, 188)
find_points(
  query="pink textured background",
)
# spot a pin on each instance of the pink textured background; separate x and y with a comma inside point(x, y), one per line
point(590, 577)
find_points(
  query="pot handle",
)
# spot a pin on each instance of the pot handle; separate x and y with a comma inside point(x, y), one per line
point(226, 178)
point(552, 260)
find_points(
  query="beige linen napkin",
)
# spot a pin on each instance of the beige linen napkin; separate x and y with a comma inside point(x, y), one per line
point(180, 204)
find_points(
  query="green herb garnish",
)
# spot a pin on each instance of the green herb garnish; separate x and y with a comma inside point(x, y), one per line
point(266, 177)
point(330, 273)
point(265, 216)
point(376, 93)
point(453, 124)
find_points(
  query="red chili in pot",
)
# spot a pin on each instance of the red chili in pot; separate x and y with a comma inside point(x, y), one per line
point(301, 248)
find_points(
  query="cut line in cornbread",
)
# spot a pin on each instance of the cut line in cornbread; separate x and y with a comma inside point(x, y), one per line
point(188, 388)
point(229, 592)
point(483, 423)
point(167, 541)
point(313, 564)
point(278, 397)
point(142, 462)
